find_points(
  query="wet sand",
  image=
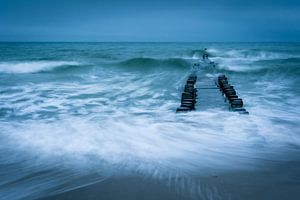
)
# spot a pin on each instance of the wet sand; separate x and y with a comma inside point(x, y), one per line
point(246, 185)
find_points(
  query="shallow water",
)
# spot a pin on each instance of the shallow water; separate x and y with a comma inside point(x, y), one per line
point(76, 114)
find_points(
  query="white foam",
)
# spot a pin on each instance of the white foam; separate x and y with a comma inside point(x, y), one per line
point(191, 143)
point(213, 51)
point(32, 66)
point(117, 131)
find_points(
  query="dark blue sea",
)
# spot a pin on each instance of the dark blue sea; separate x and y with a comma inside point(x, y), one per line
point(98, 121)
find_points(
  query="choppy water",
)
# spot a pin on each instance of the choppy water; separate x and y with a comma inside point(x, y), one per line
point(73, 114)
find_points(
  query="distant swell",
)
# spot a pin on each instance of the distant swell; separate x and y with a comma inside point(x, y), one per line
point(33, 66)
point(148, 63)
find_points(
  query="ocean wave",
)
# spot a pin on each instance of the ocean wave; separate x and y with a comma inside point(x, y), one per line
point(281, 67)
point(287, 66)
point(248, 61)
point(257, 55)
point(197, 54)
point(150, 63)
point(33, 66)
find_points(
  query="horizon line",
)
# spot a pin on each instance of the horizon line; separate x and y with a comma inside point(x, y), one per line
point(149, 41)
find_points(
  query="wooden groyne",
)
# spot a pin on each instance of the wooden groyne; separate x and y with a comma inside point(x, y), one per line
point(202, 92)
point(230, 94)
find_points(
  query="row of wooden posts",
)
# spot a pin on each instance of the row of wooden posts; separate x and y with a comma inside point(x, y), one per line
point(230, 94)
point(189, 94)
point(188, 97)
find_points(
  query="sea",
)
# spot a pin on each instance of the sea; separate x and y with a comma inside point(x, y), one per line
point(98, 121)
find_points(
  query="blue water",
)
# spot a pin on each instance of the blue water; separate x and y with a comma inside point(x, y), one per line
point(76, 114)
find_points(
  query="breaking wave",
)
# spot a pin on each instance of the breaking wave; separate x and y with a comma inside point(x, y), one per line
point(242, 61)
point(33, 66)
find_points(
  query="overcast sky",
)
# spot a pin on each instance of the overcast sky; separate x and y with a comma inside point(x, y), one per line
point(150, 20)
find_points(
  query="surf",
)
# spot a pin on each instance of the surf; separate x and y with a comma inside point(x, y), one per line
point(70, 119)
